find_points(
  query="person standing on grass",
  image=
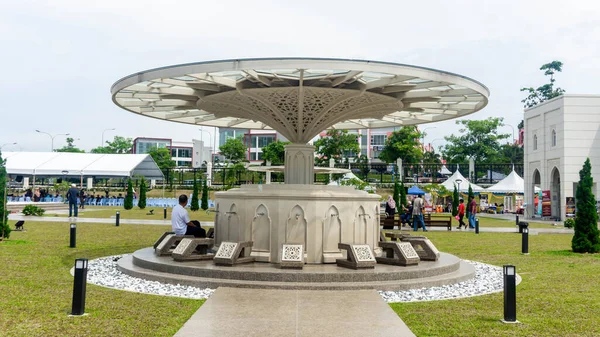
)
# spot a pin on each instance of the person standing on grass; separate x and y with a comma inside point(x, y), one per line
point(390, 207)
point(72, 196)
point(181, 223)
point(461, 214)
point(472, 212)
point(418, 206)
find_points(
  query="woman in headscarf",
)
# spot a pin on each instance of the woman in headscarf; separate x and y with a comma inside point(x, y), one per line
point(390, 207)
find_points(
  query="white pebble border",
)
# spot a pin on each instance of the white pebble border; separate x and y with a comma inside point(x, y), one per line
point(488, 279)
point(103, 272)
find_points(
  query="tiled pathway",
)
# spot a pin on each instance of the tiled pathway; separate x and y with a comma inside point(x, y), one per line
point(270, 312)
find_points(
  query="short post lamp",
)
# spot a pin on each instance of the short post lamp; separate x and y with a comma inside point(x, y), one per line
point(510, 294)
point(117, 219)
point(79, 283)
point(458, 181)
point(476, 225)
point(72, 237)
point(165, 212)
point(525, 241)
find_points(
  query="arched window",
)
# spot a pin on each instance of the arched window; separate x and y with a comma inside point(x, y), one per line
point(553, 137)
point(534, 142)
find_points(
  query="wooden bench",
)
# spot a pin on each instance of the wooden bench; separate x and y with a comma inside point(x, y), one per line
point(389, 223)
point(438, 220)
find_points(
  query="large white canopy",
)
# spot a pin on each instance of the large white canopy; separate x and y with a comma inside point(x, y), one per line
point(464, 184)
point(513, 183)
point(81, 164)
point(299, 97)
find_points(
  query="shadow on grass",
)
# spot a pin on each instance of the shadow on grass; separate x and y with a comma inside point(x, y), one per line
point(15, 242)
point(69, 258)
point(561, 253)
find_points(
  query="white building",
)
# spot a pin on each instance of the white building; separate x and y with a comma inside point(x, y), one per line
point(559, 135)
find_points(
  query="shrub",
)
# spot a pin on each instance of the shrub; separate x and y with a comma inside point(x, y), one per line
point(396, 196)
point(33, 210)
point(128, 203)
point(586, 238)
point(204, 205)
point(570, 223)
point(143, 190)
point(194, 203)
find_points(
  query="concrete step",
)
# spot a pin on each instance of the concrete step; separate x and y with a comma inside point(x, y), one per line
point(463, 273)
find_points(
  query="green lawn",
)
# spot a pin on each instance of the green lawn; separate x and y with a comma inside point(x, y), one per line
point(134, 213)
point(559, 295)
point(36, 286)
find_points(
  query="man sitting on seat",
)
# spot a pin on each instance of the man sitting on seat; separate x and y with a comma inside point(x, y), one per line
point(180, 220)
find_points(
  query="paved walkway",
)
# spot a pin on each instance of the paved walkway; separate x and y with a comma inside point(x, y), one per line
point(270, 312)
point(17, 217)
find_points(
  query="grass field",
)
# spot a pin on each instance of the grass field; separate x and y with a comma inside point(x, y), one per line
point(559, 295)
point(134, 213)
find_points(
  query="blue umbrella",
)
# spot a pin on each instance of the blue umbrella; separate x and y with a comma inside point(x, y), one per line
point(415, 190)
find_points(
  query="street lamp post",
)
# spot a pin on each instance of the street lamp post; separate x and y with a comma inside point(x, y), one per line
point(423, 133)
point(458, 181)
point(112, 129)
point(3, 145)
point(52, 137)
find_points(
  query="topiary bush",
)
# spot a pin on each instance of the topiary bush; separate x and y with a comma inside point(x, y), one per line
point(143, 191)
point(204, 205)
point(33, 210)
point(128, 203)
point(587, 237)
point(194, 204)
point(569, 223)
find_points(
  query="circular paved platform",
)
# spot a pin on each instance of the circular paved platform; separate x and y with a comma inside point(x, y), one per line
point(144, 264)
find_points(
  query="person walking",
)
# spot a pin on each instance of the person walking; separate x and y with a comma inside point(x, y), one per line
point(82, 199)
point(461, 214)
point(472, 212)
point(418, 206)
point(72, 196)
point(390, 207)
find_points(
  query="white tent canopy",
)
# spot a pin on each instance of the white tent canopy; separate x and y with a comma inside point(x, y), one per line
point(64, 164)
point(444, 170)
point(464, 185)
point(513, 183)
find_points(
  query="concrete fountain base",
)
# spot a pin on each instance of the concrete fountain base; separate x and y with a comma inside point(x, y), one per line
point(145, 264)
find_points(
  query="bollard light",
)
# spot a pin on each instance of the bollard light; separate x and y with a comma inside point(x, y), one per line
point(476, 225)
point(517, 221)
point(79, 283)
point(72, 238)
point(510, 294)
point(525, 241)
point(165, 213)
point(117, 218)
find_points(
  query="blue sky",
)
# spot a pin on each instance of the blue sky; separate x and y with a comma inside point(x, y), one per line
point(60, 58)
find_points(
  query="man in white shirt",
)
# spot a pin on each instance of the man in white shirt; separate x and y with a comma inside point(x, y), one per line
point(180, 220)
point(418, 207)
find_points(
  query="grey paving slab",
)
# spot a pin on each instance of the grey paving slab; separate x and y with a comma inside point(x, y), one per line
point(267, 312)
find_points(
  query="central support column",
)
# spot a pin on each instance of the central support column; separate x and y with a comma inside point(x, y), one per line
point(299, 164)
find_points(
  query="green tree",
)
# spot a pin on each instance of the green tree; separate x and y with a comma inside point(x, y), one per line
point(403, 144)
point(274, 152)
point(403, 200)
point(365, 168)
point(337, 144)
point(162, 158)
point(470, 196)
point(143, 190)
point(511, 153)
point(128, 203)
point(546, 91)
point(70, 147)
point(521, 125)
point(118, 145)
point(586, 238)
point(4, 228)
point(396, 196)
point(477, 139)
point(432, 157)
point(455, 199)
point(204, 204)
point(234, 150)
point(194, 204)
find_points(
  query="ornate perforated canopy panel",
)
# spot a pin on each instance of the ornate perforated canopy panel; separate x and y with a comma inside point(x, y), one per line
point(299, 97)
